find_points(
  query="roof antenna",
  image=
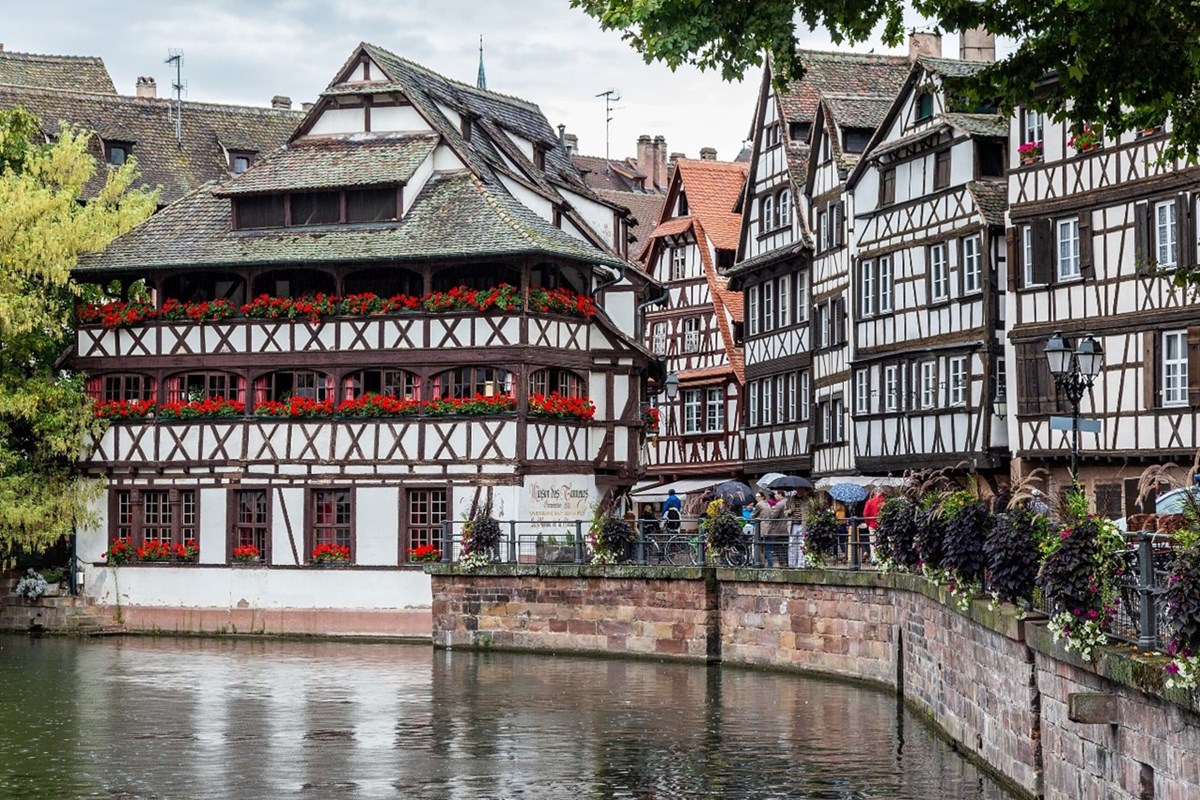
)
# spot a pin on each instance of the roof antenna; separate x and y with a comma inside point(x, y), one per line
point(176, 57)
point(481, 79)
point(610, 96)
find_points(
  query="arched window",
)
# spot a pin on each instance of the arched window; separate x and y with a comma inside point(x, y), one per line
point(476, 276)
point(766, 219)
point(386, 282)
point(191, 386)
point(553, 379)
point(121, 386)
point(785, 207)
point(196, 287)
point(466, 382)
point(286, 384)
point(397, 383)
point(293, 283)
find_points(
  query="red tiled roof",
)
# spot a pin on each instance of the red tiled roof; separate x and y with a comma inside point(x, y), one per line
point(727, 305)
point(712, 189)
point(841, 73)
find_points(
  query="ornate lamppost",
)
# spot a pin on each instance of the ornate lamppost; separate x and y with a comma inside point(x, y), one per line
point(1074, 372)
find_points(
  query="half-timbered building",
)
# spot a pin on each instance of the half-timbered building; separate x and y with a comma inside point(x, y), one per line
point(692, 328)
point(1098, 225)
point(795, 331)
point(354, 340)
point(929, 200)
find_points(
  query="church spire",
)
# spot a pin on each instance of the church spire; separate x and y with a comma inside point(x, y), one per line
point(481, 81)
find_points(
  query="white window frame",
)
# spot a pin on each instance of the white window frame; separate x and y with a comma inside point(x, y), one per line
point(1027, 248)
point(801, 297)
point(1175, 368)
point(805, 391)
point(753, 404)
point(780, 399)
point(837, 409)
point(825, 419)
point(958, 380)
point(678, 263)
point(791, 397)
point(1033, 127)
point(928, 384)
point(768, 306)
point(691, 335)
point(659, 340)
point(752, 302)
point(1166, 233)
point(714, 409)
point(784, 298)
point(862, 392)
point(768, 395)
point(939, 273)
point(1067, 238)
point(891, 388)
point(691, 411)
point(866, 288)
point(767, 213)
point(972, 264)
point(785, 207)
point(885, 285)
point(822, 231)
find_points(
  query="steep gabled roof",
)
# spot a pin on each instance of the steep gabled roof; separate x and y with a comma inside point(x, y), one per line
point(645, 208)
point(840, 73)
point(65, 73)
point(209, 130)
point(712, 189)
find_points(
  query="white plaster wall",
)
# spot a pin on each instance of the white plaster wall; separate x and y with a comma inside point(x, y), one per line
point(281, 544)
point(91, 541)
point(621, 309)
point(397, 118)
point(339, 120)
point(531, 200)
point(444, 160)
point(420, 177)
point(213, 525)
point(378, 519)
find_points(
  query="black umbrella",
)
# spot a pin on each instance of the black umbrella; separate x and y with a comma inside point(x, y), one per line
point(735, 493)
point(789, 483)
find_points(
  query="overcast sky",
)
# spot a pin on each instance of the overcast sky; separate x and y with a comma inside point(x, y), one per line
point(540, 50)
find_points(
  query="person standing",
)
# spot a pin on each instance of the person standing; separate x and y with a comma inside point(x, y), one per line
point(672, 501)
point(872, 507)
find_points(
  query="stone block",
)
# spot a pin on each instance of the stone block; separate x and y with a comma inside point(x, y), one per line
point(1092, 708)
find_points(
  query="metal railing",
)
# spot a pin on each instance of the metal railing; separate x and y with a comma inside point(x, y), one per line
point(1141, 584)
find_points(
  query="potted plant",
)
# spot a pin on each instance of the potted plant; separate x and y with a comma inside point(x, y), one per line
point(31, 586)
point(425, 553)
point(1086, 139)
point(246, 554)
point(612, 539)
point(330, 553)
point(481, 539)
point(189, 551)
point(154, 551)
point(1030, 152)
point(120, 551)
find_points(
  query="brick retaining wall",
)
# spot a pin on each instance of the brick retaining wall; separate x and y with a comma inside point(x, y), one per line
point(995, 684)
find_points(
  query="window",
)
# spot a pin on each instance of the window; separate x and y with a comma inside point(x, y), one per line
point(924, 106)
point(1001, 379)
point(885, 284)
point(771, 134)
point(862, 392)
point(240, 162)
point(785, 301)
point(928, 384)
point(972, 265)
point(284, 385)
point(941, 169)
point(194, 386)
point(753, 403)
point(715, 410)
point(825, 420)
point(660, 338)
point(1068, 248)
point(838, 410)
point(555, 379)
point(169, 516)
point(821, 326)
point(1174, 368)
point(467, 382)
point(798, 131)
point(1165, 233)
point(316, 208)
point(121, 387)
point(683, 204)
point(992, 158)
point(866, 294)
point(427, 511)
point(958, 381)
point(805, 389)
point(259, 212)
point(855, 140)
point(768, 396)
point(801, 296)
point(768, 303)
point(371, 205)
point(887, 187)
point(251, 521)
point(1027, 254)
point(766, 218)
point(1031, 131)
point(891, 388)
point(691, 335)
point(752, 303)
point(331, 519)
point(791, 397)
point(387, 382)
point(117, 153)
point(780, 400)
point(785, 207)
point(822, 231)
point(691, 411)
point(939, 273)
point(678, 263)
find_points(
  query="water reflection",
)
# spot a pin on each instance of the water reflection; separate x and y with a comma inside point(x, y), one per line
point(158, 718)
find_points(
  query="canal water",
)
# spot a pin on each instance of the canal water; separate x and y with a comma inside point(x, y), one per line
point(220, 718)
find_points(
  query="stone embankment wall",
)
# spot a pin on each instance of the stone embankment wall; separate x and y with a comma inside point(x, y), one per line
point(1044, 721)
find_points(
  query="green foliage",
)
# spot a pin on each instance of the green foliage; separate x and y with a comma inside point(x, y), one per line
point(614, 535)
point(821, 531)
point(722, 531)
point(931, 531)
point(45, 415)
point(485, 532)
point(895, 537)
point(967, 523)
point(1183, 602)
point(1012, 555)
point(1116, 64)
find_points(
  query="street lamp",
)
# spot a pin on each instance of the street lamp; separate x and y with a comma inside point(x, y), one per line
point(1000, 404)
point(671, 387)
point(1074, 372)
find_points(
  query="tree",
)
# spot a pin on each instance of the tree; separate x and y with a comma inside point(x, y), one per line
point(1115, 63)
point(45, 414)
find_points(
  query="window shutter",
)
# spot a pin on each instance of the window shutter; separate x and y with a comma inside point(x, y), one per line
point(1142, 259)
point(1043, 252)
point(1150, 369)
point(838, 214)
point(840, 317)
point(1185, 233)
point(1087, 267)
point(1193, 365)
point(960, 250)
point(1016, 271)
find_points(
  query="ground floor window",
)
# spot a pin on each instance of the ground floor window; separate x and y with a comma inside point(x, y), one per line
point(251, 522)
point(163, 517)
point(331, 520)
point(425, 512)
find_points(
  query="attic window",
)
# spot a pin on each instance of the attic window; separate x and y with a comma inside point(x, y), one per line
point(770, 135)
point(683, 205)
point(924, 106)
point(240, 161)
point(724, 259)
point(856, 139)
point(798, 131)
point(539, 156)
point(117, 153)
point(466, 127)
point(378, 204)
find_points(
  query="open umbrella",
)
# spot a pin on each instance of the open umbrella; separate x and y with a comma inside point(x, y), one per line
point(765, 481)
point(788, 483)
point(848, 493)
point(735, 494)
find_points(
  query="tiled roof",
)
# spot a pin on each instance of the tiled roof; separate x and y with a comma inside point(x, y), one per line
point(841, 73)
point(991, 198)
point(770, 256)
point(612, 174)
point(858, 111)
point(66, 73)
point(671, 227)
point(455, 216)
point(361, 160)
point(646, 209)
point(712, 189)
point(979, 124)
point(727, 305)
point(208, 130)
point(952, 67)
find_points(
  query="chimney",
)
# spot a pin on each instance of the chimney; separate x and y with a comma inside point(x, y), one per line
point(146, 87)
point(280, 101)
point(572, 144)
point(977, 45)
point(645, 157)
point(660, 162)
point(924, 43)
point(708, 154)
point(306, 106)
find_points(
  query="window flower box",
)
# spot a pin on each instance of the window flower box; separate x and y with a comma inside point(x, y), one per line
point(209, 407)
point(557, 406)
point(247, 554)
point(188, 552)
point(1087, 139)
point(426, 553)
point(476, 406)
point(378, 405)
point(123, 409)
point(154, 551)
point(115, 314)
point(120, 551)
point(331, 554)
point(1030, 152)
point(203, 311)
point(295, 408)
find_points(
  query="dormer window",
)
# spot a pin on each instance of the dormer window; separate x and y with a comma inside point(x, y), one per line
point(240, 161)
point(117, 153)
point(683, 205)
point(798, 131)
point(924, 106)
point(539, 157)
point(855, 140)
point(379, 204)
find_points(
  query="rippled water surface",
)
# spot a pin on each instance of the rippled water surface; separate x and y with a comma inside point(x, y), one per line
point(184, 718)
